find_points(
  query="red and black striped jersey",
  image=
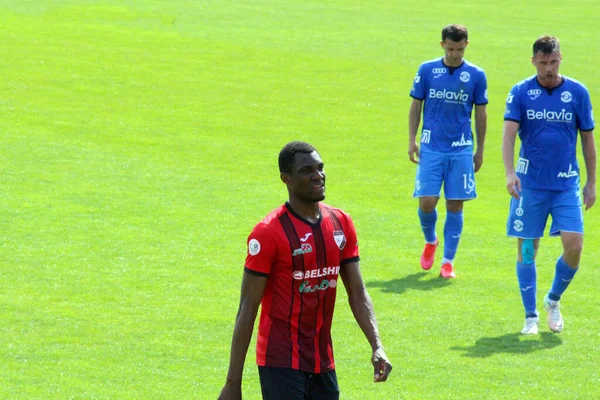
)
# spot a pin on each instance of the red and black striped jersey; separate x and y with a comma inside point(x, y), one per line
point(302, 261)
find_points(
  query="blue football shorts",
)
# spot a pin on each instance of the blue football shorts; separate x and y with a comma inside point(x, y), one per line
point(457, 172)
point(528, 215)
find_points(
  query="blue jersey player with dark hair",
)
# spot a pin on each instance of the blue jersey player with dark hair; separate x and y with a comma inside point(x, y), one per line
point(445, 91)
point(548, 111)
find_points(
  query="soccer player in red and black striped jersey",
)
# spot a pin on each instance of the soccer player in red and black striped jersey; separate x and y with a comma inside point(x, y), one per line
point(295, 257)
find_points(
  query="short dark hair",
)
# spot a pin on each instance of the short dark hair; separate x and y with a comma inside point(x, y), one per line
point(455, 32)
point(546, 45)
point(288, 153)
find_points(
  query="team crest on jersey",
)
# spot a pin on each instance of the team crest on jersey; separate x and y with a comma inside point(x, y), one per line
point(566, 97)
point(253, 247)
point(340, 239)
point(465, 76)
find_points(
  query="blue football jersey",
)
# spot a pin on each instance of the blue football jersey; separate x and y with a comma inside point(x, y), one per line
point(448, 95)
point(549, 121)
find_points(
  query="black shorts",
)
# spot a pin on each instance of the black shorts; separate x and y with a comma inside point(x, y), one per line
point(290, 384)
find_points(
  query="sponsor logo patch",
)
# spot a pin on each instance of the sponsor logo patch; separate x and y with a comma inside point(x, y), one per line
point(449, 96)
point(305, 248)
point(462, 142)
point(569, 174)
point(518, 225)
point(325, 284)
point(316, 273)
point(425, 136)
point(522, 166)
point(550, 116)
point(534, 93)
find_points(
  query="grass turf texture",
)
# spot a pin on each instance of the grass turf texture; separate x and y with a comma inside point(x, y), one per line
point(139, 148)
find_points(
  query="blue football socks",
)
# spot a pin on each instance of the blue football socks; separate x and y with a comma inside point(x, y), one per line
point(563, 275)
point(452, 231)
point(526, 275)
point(428, 221)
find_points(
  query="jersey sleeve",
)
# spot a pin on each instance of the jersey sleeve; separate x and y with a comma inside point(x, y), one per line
point(481, 94)
point(418, 89)
point(262, 251)
point(585, 114)
point(350, 251)
point(512, 112)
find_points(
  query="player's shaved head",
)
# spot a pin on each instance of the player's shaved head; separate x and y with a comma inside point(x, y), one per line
point(455, 32)
point(546, 45)
point(288, 154)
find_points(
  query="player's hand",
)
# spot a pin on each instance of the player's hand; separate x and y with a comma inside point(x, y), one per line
point(381, 364)
point(513, 185)
point(478, 160)
point(589, 195)
point(413, 151)
point(231, 391)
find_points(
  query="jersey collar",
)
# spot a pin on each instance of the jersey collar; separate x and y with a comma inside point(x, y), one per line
point(452, 69)
point(301, 218)
point(550, 90)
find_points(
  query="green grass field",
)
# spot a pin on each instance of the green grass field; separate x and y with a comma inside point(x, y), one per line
point(139, 147)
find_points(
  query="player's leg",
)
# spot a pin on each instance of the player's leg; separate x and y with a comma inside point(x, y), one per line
point(324, 386)
point(567, 220)
point(283, 383)
point(526, 221)
point(459, 186)
point(527, 278)
point(427, 189)
point(452, 232)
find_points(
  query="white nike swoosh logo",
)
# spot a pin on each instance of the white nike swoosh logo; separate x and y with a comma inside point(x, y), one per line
point(456, 237)
point(305, 238)
point(526, 288)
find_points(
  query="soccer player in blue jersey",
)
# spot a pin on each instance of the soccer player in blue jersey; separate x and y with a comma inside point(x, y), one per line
point(547, 110)
point(445, 90)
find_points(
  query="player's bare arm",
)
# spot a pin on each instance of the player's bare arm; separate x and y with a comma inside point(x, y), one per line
point(509, 135)
point(588, 147)
point(362, 308)
point(414, 119)
point(480, 129)
point(253, 287)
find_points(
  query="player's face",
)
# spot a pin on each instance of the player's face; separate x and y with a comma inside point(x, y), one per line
point(307, 179)
point(454, 51)
point(547, 67)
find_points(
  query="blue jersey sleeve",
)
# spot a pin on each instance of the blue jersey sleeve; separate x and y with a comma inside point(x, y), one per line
point(512, 112)
point(418, 89)
point(481, 95)
point(585, 114)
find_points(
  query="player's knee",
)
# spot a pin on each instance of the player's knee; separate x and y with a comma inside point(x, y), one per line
point(528, 251)
point(454, 205)
point(574, 251)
